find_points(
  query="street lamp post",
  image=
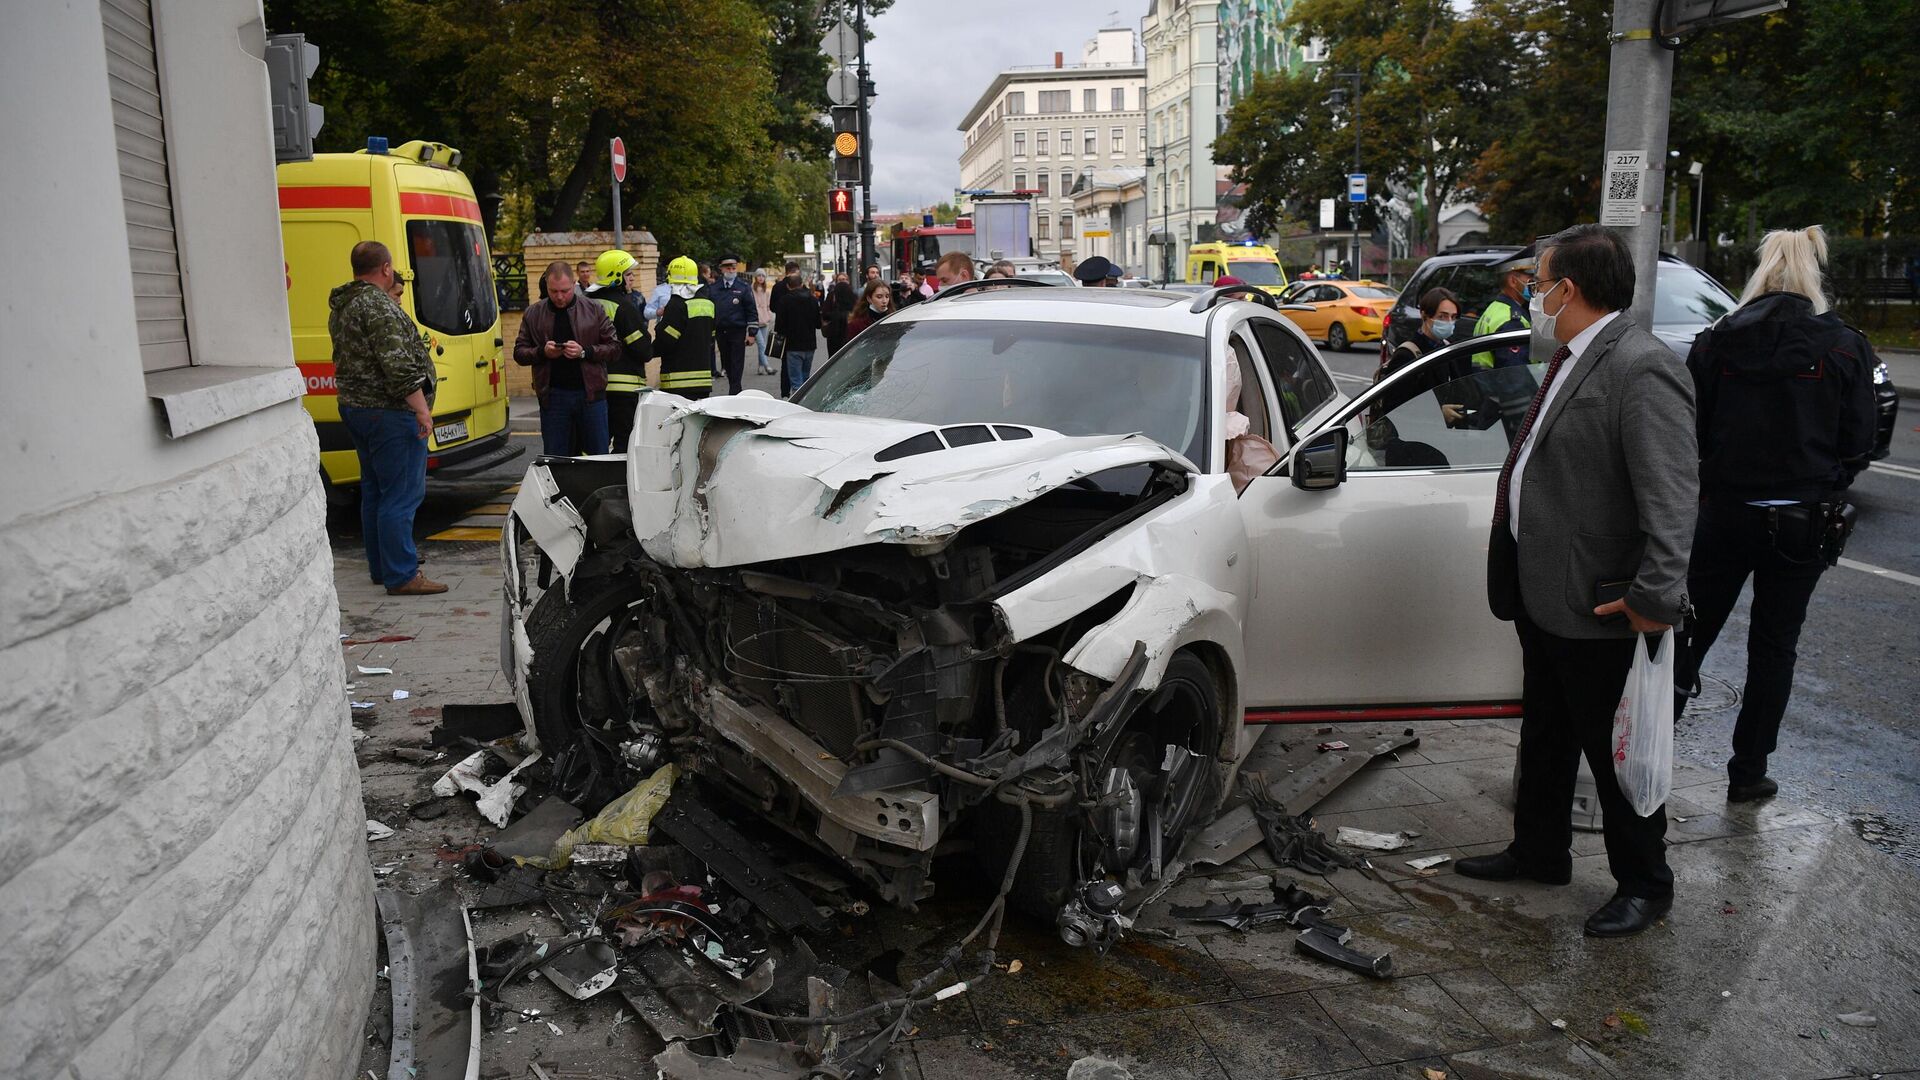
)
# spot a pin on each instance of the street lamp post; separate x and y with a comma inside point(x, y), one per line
point(1166, 230)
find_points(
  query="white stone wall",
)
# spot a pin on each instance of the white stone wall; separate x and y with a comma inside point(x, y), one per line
point(183, 872)
point(182, 861)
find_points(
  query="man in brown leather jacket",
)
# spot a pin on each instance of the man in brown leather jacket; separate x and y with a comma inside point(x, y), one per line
point(568, 344)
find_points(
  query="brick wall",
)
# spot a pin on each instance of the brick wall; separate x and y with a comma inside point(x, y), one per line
point(182, 854)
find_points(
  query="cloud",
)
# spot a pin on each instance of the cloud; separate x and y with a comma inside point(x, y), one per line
point(931, 60)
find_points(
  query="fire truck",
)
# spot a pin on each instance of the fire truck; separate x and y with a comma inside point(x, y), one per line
point(917, 247)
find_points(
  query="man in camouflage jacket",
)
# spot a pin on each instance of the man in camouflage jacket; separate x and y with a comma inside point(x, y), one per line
point(385, 379)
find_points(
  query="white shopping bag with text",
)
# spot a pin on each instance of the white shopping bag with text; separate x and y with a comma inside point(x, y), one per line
point(1643, 725)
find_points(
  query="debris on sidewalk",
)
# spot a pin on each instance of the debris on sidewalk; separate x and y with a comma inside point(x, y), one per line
point(365, 670)
point(1426, 865)
point(496, 798)
point(1858, 1019)
point(400, 695)
point(377, 830)
point(584, 968)
point(1373, 841)
point(1303, 911)
point(623, 821)
point(346, 642)
point(1294, 841)
point(1238, 831)
point(480, 723)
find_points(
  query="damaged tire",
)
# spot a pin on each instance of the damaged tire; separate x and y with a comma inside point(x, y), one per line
point(576, 689)
point(1071, 845)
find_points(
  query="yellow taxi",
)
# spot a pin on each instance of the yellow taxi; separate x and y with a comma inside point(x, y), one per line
point(414, 199)
point(1340, 313)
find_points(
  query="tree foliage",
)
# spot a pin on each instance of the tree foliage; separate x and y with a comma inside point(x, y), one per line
point(1427, 88)
point(718, 103)
point(1807, 115)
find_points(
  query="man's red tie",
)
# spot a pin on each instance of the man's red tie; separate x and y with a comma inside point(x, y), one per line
point(1520, 437)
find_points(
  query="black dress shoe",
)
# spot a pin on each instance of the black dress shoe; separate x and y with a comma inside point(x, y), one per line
point(1763, 788)
point(1625, 915)
point(1503, 866)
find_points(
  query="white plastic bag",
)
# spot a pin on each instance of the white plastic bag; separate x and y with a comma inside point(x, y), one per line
point(1643, 726)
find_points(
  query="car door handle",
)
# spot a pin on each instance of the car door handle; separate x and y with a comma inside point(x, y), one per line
point(479, 363)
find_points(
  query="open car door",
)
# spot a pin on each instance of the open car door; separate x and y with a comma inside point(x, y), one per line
point(1369, 542)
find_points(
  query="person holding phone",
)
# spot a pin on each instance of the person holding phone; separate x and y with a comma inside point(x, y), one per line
point(568, 345)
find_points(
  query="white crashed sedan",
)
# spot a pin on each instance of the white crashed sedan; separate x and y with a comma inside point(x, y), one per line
point(989, 577)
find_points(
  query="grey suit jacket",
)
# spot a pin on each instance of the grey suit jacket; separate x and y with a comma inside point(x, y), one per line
point(1609, 493)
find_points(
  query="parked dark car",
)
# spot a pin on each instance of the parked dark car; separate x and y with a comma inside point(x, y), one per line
point(1686, 300)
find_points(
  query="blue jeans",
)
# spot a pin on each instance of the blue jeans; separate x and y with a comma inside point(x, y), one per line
point(799, 366)
point(570, 424)
point(760, 349)
point(393, 480)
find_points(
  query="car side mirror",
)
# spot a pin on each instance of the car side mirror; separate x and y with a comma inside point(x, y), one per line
point(1321, 462)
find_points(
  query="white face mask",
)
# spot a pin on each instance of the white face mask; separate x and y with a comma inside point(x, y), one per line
point(1537, 308)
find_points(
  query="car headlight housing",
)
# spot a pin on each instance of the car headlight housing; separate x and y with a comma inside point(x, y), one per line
point(1881, 376)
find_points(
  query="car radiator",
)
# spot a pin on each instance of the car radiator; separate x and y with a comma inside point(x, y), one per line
point(806, 674)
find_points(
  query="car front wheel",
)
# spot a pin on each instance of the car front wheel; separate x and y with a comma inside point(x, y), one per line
point(1337, 338)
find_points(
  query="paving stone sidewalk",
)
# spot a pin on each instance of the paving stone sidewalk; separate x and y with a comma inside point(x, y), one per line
point(1784, 921)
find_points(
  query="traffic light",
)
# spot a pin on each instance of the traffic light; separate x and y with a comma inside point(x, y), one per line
point(840, 210)
point(847, 144)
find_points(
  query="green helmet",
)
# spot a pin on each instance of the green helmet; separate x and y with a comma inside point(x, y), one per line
point(612, 264)
point(683, 271)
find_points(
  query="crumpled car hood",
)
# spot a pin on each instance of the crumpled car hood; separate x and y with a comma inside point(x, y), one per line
point(736, 480)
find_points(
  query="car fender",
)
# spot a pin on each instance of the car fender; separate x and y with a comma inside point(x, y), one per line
point(1165, 615)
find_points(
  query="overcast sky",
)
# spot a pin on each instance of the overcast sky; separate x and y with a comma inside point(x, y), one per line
point(932, 59)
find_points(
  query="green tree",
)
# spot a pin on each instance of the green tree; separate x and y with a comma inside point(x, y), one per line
point(1428, 78)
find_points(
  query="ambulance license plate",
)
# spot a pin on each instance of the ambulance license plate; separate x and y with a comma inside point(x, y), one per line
point(453, 432)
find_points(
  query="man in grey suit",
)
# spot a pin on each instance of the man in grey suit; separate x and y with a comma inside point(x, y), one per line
point(1593, 519)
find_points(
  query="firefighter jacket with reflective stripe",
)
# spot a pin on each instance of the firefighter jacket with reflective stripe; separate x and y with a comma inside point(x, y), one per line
point(685, 335)
point(628, 373)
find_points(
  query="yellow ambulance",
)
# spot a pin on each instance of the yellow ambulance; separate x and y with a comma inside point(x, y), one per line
point(414, 199)
point(1255, 264)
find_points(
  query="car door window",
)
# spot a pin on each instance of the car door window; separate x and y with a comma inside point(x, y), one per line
point(1300, 381)
point(1443, 412)
point(1253, 398)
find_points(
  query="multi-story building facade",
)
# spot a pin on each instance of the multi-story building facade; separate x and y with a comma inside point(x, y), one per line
point(1202, 56)
point(1041, 129)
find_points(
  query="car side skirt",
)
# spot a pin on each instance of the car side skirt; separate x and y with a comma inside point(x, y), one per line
point(1496, 710)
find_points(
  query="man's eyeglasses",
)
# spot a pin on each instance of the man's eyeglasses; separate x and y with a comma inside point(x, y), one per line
point(1533, 288)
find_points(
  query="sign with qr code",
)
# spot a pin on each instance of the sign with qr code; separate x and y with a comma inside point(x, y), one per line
point(1626, 175)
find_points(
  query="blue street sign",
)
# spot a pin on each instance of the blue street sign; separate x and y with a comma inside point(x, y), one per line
point(1357, 187)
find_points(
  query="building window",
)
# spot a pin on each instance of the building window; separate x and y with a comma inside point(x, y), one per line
point(1066, 142)
point(1090, 101)
point(1056, 101)
point(1016, 103)
point(1143, 138)
point(1019, 144)
point(1044, 185)
point(1020, 180)
point(1066, 226)
point(1066, 182)
point(133, 84)
point(1039, 144)
point(1090, 142)
point(1119, 99)
point(1041, 228)
point(1118, 138)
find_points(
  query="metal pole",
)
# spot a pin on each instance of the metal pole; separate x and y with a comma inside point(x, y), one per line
point(1353, 208)
point(616, 207)
point(1639, 95)
point(1699, 188)
point(866, 137)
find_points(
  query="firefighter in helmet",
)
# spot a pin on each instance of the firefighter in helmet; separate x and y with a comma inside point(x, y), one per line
point(627, 374)
point(685, 333)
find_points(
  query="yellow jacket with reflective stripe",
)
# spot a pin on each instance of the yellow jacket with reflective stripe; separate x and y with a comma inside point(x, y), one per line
point(685, 344)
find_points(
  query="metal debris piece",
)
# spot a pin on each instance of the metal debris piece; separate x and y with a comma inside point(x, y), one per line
point(752, 1059)
point(1317, 944)
point(496, 800)
point(436, 1031)
point(682, 990)
point(735, 860)
point(534, 834)
point(377, 830)
point(583, 970)
point(1335, 745)
point(1237, 831)
point(1293, 840)
point(1429, 862)
point(365, 670)
point(513, 886)
point(1237, 884)
point(1373, 841)
point(401, 695)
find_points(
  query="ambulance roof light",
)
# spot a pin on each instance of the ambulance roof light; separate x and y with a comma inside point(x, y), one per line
point(376, 144)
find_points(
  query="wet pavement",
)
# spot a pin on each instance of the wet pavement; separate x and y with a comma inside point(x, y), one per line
point(1785, 918)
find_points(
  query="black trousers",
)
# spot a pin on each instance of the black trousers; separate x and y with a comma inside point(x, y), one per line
point(1571, 689)
point(1731, 543)
point(620, 410)
point(732, 341)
